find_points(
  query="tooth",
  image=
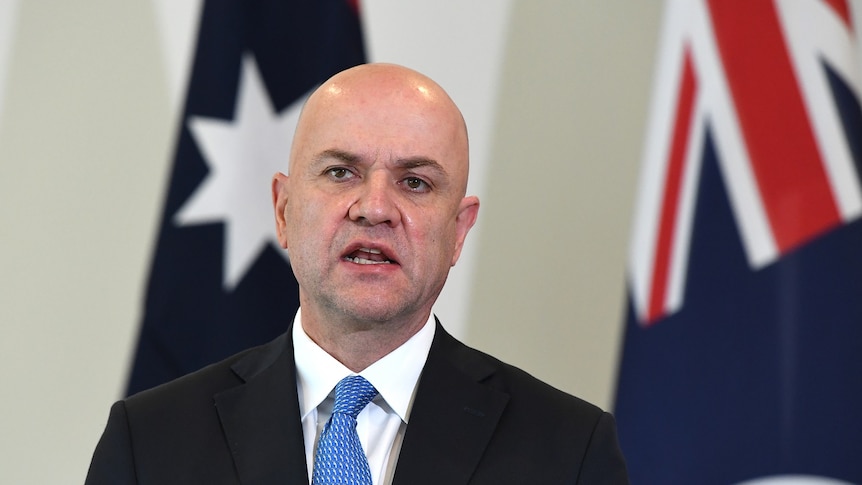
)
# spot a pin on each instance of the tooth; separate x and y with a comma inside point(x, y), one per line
point(372, 251)
point(359, 260)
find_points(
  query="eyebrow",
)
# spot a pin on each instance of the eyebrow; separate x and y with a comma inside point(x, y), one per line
point(421, 162)
point(403, 163)
point(334, 153)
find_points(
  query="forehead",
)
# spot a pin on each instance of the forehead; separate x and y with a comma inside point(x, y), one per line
point(388, 118)
point(392, 119)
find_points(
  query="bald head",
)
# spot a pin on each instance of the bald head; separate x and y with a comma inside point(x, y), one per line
point(391, 101)
point(373, 211)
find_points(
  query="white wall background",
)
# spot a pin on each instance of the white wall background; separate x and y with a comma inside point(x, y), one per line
point(554, 91)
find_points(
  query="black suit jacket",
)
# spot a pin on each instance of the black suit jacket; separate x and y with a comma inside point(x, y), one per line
point(475, 420)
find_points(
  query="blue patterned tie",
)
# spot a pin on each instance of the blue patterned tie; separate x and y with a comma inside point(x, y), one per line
point(340, 459)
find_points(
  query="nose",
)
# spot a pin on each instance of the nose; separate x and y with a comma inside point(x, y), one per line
point(376, 202)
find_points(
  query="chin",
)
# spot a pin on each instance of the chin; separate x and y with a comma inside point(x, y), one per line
point(375, 310)
point(373, 314)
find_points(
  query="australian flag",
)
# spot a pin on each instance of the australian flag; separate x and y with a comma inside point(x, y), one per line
point(742, 359)
point(218, 282)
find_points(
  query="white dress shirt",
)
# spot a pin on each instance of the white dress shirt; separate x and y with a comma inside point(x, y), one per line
point(381, 425)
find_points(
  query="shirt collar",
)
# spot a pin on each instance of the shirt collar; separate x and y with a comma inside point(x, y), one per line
point(394, 376)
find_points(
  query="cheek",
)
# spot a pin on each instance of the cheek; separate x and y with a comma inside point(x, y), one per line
point(436, 241)
point(297, 220)
point(312, 224)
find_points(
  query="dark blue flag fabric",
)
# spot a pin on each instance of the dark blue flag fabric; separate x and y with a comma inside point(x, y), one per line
point(742, 357)
point(219, 283)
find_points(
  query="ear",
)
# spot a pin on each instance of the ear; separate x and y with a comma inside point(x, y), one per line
point(468, 211)
point(279, 204)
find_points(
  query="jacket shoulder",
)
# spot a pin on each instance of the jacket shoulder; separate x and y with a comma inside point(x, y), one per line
point(517, 383)
point(556, 436)
point(199, 387)
point(174, 433)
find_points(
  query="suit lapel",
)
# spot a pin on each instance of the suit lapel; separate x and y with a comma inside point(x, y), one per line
point(453, 416)
point(261, 417)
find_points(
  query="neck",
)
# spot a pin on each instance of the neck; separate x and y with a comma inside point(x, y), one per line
point(358, 344)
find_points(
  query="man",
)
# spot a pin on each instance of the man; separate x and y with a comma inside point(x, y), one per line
point(373, 214)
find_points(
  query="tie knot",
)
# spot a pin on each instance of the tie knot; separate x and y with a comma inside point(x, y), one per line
point(352, 394)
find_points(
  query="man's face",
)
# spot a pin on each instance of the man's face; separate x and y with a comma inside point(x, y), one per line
point(373, 208)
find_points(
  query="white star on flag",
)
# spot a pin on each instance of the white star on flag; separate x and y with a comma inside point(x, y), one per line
point(242, 156)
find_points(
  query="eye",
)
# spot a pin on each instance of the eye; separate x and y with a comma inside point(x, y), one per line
point(339, 173)
point(416, 184)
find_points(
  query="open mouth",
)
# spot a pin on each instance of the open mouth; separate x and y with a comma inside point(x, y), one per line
point(368, 256)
